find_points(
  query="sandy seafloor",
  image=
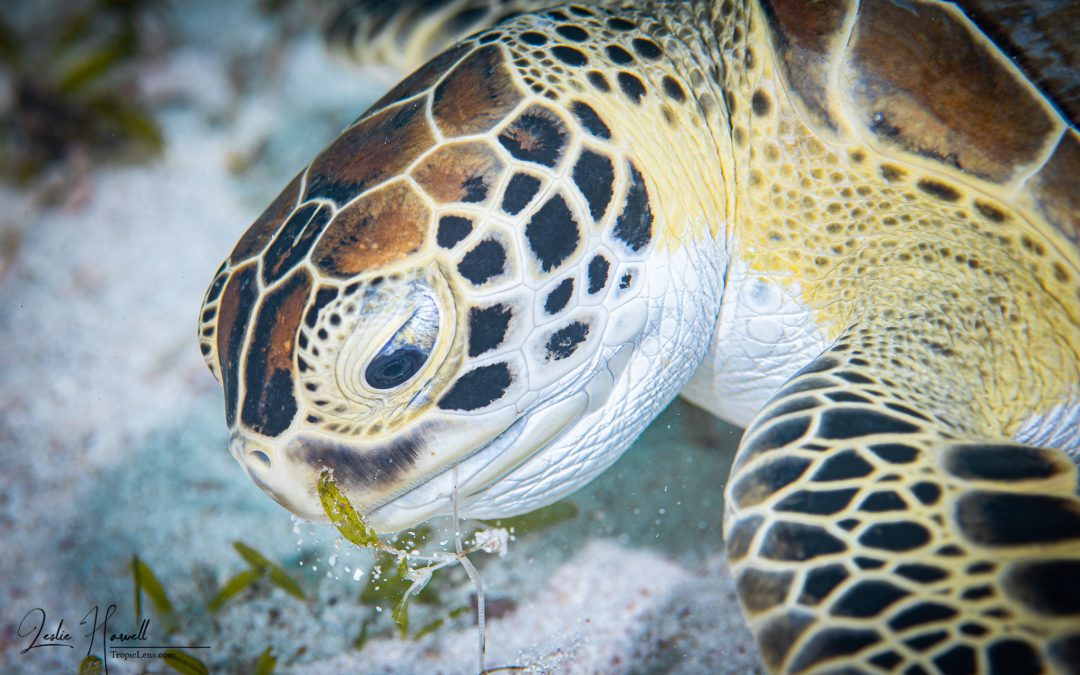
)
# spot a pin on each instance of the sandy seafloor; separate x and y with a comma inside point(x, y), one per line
point(112, 439)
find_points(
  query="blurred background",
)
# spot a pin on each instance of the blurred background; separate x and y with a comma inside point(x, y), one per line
point(138, 139)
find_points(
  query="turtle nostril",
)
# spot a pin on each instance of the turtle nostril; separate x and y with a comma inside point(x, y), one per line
point(261, 456)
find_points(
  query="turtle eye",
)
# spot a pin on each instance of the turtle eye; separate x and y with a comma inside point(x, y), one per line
point(402, 357)
point(391, 368)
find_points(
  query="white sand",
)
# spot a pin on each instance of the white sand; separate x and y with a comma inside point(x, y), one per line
point(112, 436)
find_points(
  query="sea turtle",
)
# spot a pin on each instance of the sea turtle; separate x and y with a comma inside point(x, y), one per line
point(852, 227)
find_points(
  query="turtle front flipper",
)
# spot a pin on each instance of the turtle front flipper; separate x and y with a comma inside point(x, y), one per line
point(870, 534)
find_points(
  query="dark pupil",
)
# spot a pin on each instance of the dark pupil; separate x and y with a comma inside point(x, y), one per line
point(387, 371)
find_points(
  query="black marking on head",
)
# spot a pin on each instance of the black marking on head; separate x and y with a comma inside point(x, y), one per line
point(797, 542)
point(366, 469)
point(619, 55)
point(634, 225)
point(820, 502)
point(843, 466)
point(973, 629)
point(766, 479)
point(487, 328)
point(557, 299)
point(552, 233)
point(959, 659)
point(572, 32)
point(647, 49)
point(619, 24)
point(564, 342)
point(269, 401)
point(478, 388)
point(322, 299)
point(485, 261)
point(631, 85)
point(865, 563)
point(831, 643)
point(1047, 587)
point(624, 282)
point(534, 39)
point(537, 135)
point(867, 598)
point(760, 103)
point(598, 274)
point(940, 190)
point(880, 502)
point(581, 11)
point(820, 582)
point(519, 192)
point(590, 120)
point(921, 614)
point(673, 89)
point(569, 55)
point(217, 286)
point(474, 189)
point(597, 80)
point(452, 229)
point(248, 294)
point(1004, 519)
point(899, 537)
point(844, 422)
point(1000, 462)
point(923, 574)
point(293, 241)
point(1013, 657)
point(594, 175)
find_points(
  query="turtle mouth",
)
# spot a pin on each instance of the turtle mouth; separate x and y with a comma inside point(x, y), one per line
point(469, 480)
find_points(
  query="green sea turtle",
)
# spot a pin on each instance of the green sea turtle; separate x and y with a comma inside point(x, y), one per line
point(852, 227)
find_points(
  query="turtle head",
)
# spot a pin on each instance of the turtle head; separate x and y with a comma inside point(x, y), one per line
point(444, 305)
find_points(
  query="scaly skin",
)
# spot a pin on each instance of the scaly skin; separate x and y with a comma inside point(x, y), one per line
point(491, 282)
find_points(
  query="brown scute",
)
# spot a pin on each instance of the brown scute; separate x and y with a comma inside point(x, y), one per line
point(461, 172)
point(476, 95)
point(923, 81)
point(234, 311)
point(369, 153)
point(265, 226)
point(269, 400)
point(1042, 39)
point(802, 33)
point(1057, 187)
point(377, 229)
point(422, 78)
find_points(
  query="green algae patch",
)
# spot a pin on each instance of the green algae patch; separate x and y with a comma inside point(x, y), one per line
point(345, 518)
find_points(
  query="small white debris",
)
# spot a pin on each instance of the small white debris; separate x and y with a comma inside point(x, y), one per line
point(357, 573)
point(495, 540)
point(332, 560)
